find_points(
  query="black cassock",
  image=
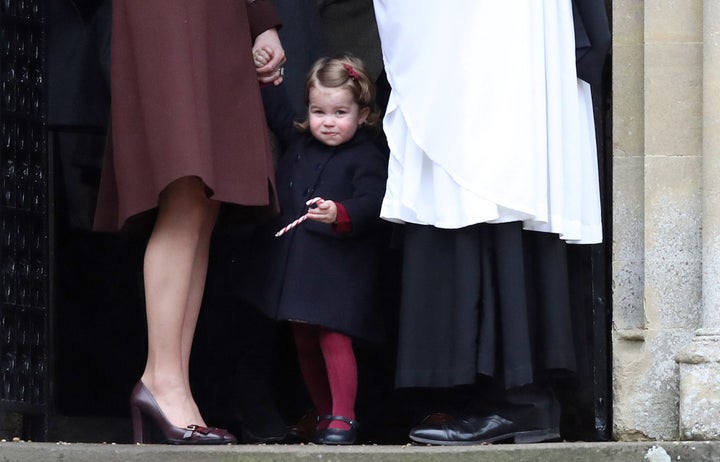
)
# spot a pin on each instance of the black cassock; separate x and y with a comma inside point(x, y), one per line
point(492, 299)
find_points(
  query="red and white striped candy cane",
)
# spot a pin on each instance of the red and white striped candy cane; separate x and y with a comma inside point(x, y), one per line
point(299, 220)
point(291, 226)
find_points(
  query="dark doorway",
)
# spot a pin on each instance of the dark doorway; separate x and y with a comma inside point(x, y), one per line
point(98, 310)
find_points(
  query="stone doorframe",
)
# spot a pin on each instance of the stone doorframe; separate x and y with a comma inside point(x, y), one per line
point(666, 219)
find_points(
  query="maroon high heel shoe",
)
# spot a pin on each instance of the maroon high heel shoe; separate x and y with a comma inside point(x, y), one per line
point(146, 414)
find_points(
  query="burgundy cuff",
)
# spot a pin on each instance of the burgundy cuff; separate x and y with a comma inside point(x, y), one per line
point(342, 221)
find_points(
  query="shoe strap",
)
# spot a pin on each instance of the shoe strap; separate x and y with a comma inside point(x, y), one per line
point(351, 422)
point(191, 429)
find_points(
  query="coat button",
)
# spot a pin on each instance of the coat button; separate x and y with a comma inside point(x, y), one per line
point(291, 185)
point(318, 166)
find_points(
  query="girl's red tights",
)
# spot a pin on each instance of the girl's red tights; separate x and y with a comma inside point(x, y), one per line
point(328, 366)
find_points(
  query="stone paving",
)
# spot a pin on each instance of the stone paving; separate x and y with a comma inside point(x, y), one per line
point(699, 451)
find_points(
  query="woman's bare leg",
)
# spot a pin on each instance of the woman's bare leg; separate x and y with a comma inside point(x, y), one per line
point(171, 267)
point(197, 286)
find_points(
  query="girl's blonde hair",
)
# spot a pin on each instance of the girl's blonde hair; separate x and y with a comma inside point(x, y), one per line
point(342, 71)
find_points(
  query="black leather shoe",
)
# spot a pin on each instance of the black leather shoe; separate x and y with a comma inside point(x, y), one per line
point(336, 435)
point(442, 429)
point(304, 430)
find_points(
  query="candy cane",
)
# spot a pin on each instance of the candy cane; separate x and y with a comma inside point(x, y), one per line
point(299, 220)
point(291, 226)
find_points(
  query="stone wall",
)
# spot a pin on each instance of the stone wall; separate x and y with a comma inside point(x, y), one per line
point(657, 208)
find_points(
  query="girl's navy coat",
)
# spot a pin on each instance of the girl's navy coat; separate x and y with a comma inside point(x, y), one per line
point(313, 273)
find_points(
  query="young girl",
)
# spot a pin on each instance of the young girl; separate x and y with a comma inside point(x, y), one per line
point(322, 271)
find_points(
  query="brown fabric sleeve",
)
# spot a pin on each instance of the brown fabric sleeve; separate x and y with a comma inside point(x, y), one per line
point(262, 16)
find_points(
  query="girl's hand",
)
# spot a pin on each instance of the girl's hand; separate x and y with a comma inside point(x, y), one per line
point(268, 56)
point(324, 211)
point(262, 56)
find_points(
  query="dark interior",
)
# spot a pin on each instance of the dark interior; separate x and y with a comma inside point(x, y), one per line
point(243, 365)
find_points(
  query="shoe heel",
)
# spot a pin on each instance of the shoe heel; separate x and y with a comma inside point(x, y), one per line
point(139, 426)
point(537, 436)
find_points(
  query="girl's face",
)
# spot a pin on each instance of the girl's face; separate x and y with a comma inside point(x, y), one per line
point(333, 115)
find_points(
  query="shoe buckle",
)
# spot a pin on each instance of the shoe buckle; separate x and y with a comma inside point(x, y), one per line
point(197, 428)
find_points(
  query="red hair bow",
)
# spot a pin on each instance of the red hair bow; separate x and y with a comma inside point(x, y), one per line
point(351, 71)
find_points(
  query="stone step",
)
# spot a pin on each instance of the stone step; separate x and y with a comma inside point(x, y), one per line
point(689, 451)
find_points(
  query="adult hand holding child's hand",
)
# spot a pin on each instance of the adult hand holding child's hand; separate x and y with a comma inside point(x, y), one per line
point(269, 56)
